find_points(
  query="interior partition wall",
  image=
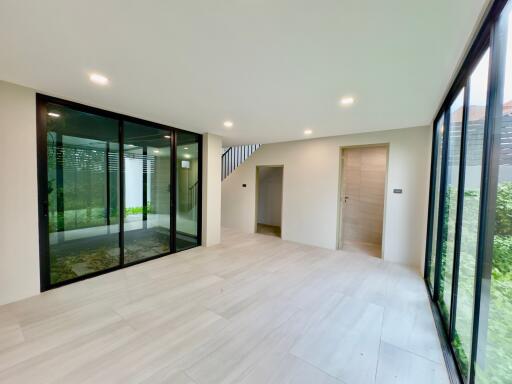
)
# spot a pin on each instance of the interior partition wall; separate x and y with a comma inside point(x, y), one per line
point(468, 268)
point(113, 190)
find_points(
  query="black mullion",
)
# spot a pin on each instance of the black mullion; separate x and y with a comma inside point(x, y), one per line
point(42, 190)
point(460, 207)
point(431, 204)
point(489, 184)
point(121, 192)
point(442, 201)
point(200, 192)
point(145, 186)
point(173, 186)
point(107, 167)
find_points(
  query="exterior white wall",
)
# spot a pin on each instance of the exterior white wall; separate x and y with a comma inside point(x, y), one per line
point(212, 152)
point(311, 191)
point(19, 247)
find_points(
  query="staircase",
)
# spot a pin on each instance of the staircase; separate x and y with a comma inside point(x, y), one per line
point(234, 156)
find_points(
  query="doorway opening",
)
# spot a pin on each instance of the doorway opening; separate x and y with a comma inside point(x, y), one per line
point(363, 186)
point(269, 200)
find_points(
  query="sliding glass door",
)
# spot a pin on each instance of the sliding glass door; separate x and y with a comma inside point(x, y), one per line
point(82, 193)
point(113, 190)
point(147, 192)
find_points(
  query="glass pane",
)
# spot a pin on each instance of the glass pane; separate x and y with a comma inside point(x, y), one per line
point(450, 206)
point(187, 190)
point(438, 161)
point(471, 209)
point(494, 355)
point(147, 175)
point(83, 210)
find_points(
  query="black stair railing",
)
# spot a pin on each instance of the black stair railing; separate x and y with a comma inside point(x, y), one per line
point(235, 156)
point(192, 195)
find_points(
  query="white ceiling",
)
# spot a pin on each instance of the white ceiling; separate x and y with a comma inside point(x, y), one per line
point(273, 67)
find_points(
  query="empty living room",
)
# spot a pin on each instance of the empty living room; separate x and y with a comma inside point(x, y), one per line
point(256, 192)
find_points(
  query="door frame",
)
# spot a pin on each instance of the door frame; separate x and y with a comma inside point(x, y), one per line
point(257, 193)
point(42, 181)
point(341, 193)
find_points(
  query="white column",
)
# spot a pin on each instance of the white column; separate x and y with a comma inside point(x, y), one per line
point(19, 239)
point(212, 152)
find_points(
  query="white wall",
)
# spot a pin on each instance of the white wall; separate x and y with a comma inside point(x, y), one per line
point(19, 248)
point(212, 151)
point(270, 192)
point(311, 191)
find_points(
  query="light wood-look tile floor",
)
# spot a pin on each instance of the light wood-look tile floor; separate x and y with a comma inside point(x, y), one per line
point(254, 309)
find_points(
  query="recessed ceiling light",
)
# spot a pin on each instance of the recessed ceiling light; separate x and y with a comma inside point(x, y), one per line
point(186, 156)
point(156, 151)
point(167, 136)
point(349, 100)
point(53, 114)
point(228, 124)
point(96, 78)
point(186, 148)
point(308, 132)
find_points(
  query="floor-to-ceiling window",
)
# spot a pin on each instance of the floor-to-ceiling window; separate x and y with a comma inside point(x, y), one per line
point(147, 192)
point(436, 173)
point(448, 212)
point(494, 351)
point(469, 255)
point(82, 192)
point(474, 140)
point(187, 190)
point(113, 191)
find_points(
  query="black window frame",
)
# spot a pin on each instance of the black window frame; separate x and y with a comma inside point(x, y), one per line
point(42, 180)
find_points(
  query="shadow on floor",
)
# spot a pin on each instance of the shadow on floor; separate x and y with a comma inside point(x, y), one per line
point(270, 230)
